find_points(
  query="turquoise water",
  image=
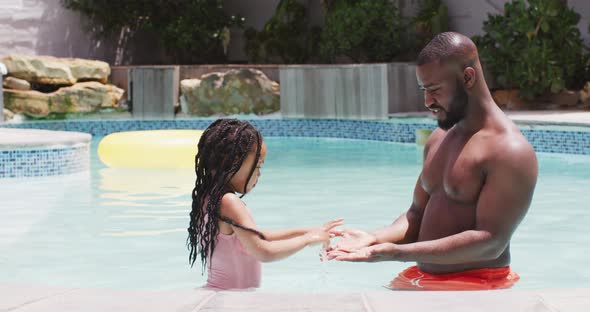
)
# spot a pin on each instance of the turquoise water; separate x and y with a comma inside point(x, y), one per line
point(127, 229)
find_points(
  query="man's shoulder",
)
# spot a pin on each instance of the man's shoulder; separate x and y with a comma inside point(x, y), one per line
point(507, 145)
point(512, 161)
point(508, 136)
point(435, 137)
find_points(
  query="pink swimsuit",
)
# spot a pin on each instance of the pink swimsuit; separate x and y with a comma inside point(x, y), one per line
point(231, 267)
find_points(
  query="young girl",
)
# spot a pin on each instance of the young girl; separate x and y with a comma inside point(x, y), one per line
point(221, 228)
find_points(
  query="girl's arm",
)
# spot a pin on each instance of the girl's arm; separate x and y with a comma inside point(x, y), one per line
point(279, 234)
point(267, 250)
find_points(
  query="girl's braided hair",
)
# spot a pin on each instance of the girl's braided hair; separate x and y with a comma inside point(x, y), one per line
point(222, 149)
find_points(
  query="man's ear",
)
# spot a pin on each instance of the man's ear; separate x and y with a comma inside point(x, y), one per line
point(468, 77)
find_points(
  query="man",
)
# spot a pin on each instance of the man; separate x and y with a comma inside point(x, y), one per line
point(476, 185)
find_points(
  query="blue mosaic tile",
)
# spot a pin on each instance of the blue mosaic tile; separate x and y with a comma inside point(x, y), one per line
point(543, 140)
point(44, 162)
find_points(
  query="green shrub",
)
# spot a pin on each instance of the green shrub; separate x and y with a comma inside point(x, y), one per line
point(286, 37)
point(363, 30)
point(432, 19)
point(192, 31)
point(535, 46)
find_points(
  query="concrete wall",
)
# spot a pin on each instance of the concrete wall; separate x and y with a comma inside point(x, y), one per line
point(335, 91)
point(359, 91)
point(45, 27)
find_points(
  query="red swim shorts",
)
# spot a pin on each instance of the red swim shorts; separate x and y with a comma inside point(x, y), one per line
point(413, 278)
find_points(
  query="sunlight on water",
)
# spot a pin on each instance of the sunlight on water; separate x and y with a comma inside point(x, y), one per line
point(121, 228)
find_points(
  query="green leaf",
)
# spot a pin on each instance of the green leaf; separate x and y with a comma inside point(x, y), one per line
point(366, 30)
point(556, 86)
point(545, 60)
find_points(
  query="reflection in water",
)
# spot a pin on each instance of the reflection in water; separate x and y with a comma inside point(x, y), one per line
point(128, 186)
point(125, 190)
point(63, 230)
point(143, 233)
point(25, 202)
point(148, 217)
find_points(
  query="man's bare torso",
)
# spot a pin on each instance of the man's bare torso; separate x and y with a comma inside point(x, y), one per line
point(453, 175)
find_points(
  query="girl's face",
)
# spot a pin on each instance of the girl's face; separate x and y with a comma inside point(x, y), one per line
point(239, 179)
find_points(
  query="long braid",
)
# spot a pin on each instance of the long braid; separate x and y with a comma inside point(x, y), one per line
point(222, 149)
point(258, 149)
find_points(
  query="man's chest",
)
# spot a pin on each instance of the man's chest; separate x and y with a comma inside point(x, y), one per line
point(455, 169)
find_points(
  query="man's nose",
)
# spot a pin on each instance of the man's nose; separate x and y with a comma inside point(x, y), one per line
point(428, 100)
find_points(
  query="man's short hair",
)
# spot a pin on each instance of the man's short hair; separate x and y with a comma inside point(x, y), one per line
point(448, 47)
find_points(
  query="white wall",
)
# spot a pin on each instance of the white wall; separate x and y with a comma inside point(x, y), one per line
point(45, 27)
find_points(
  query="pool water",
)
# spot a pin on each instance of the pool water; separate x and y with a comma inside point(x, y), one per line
point(126, 229)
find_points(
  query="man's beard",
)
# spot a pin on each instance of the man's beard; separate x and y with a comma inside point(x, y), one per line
point(457, 110)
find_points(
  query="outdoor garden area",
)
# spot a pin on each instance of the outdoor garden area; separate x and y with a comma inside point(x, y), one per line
point(533, 54)
point(302, 155)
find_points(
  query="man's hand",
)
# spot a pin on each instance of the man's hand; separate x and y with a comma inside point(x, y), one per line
point(352, 240)
point(375, 253)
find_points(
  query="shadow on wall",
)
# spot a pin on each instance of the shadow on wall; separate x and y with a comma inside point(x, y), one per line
point(65, 33)
point(61, 33)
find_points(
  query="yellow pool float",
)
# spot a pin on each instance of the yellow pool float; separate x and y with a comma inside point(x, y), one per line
point(150, 149)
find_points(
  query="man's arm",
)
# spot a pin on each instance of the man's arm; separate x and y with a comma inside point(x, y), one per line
point(503, 202)
point(404, 229)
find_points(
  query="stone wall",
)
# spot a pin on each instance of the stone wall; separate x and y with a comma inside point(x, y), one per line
point(335, 91)
point(37, 86)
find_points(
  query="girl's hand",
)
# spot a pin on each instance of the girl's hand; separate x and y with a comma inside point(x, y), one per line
point(328, 226)
point(322, 233)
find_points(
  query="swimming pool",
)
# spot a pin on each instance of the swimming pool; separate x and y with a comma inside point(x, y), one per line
point(118, 228)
